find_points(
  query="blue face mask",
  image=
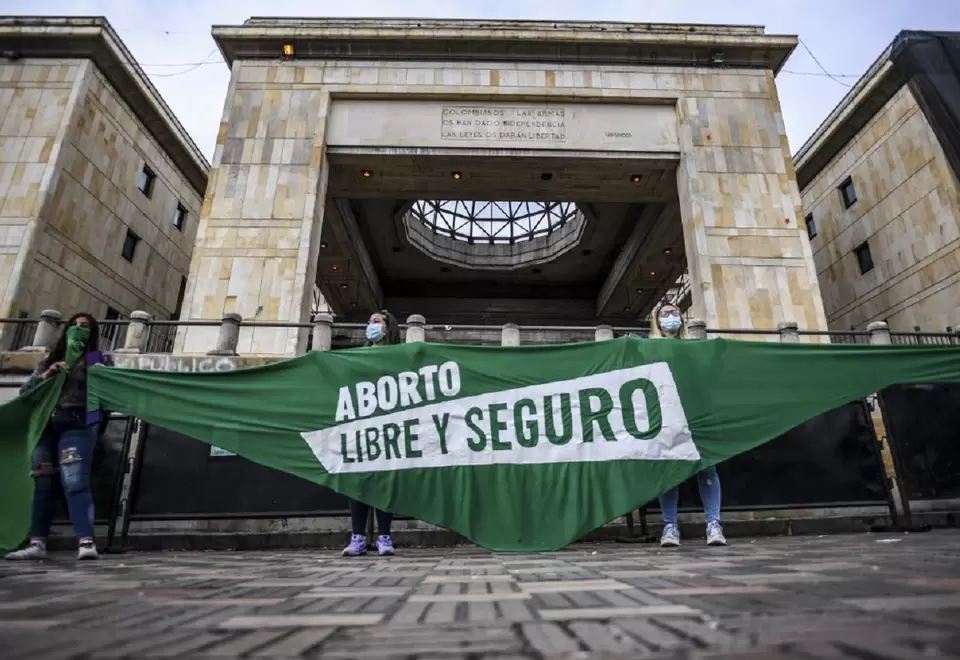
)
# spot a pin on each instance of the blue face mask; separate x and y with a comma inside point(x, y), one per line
point(374, 332)
point(671, 323)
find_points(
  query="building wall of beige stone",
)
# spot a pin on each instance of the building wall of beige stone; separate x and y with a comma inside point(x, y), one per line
point(37, 100)
point(907, 212)
point(74, 260)
point(262, 214)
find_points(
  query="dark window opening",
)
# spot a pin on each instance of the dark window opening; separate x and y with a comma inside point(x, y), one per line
point(180, 217)
point(811, 226)
point(129, 246)
point(179, 308)
point(847, 192)
point(145, 181)
point(864, 258)
point(110, 330)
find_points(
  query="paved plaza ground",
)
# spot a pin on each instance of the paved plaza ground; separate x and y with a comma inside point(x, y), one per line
point(865, 596)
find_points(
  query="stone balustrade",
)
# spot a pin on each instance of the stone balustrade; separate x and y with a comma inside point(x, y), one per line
point(327, 334)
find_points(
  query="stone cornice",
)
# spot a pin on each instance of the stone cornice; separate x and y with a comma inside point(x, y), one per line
point(598, 43)
point(94, 39)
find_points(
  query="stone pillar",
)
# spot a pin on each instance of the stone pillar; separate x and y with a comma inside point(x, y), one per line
point(789, 332)
point(48, 330)
point(138, 333)
point(415, 330)
point(258, 239)
point(696, 329)
point(879, 333)
point(510, 335)
point(603, 333)
point(749, 258)
point(322, 332)
point(229, 336)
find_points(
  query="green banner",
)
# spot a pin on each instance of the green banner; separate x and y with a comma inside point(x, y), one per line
point(522, 448)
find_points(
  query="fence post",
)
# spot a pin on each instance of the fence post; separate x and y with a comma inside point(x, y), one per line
point(322, 332)
point(415, 330)
point(229, 337)
point(510, 335)
point(696, 329)
point(603, 333)
point(45, 336)
point(789, 332)
point(880, 336)
point(138, 332)
point(879, 333)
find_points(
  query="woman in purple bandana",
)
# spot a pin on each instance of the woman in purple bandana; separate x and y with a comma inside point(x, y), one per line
point(64, 454)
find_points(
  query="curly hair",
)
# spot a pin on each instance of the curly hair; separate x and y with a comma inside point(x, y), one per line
point(656, 332)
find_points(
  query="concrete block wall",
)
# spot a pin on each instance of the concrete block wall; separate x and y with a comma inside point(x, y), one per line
point(37, 99)
point(907, 211)
point(70, 154)
point(742, 213)
point(749, 263)
point(78, 263)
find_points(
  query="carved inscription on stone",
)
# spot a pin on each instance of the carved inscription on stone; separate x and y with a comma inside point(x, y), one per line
point(504, 124)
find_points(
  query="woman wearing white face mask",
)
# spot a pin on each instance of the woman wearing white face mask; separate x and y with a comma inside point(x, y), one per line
point(668, 324)
point(382, 330)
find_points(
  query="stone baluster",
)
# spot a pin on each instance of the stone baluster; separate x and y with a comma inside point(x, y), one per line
point(138, 333)
point(510, 335)
point(603, 333)
point(789, 332)
point(416, 333)
point(229, 337)
point(322, 332)
point(696, 329)
point(879, 333)
point(46, 334)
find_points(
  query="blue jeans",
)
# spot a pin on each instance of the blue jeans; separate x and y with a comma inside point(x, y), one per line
point(709, 484)
point(67, 443)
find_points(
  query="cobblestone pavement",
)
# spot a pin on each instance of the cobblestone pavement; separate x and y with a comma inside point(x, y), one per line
point(895, 596)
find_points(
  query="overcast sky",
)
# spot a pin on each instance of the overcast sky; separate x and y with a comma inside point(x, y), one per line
point(844, 35)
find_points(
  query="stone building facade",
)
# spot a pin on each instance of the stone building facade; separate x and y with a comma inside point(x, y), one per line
point(882, 207)
point(100, 186)
point(697, 105)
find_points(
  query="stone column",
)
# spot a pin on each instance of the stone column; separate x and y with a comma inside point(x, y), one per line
point(48, 330)
point(229, 335)
point(322, 332)
point(138, 333)
point(415, 330)
point(789, 332)
point(603, 333)
point(696, 329)
point(258, 238)
point(510, 335)
point(749, 258)
point(879, 333)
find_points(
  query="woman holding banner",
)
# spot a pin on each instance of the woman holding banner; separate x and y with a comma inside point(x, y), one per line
point(64, 454)
point(382, 330)
point(668, 323)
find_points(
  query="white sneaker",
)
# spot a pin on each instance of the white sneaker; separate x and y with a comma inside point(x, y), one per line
point(670, 538)
point(33, 551)
point(87, 550)
point(715, 534)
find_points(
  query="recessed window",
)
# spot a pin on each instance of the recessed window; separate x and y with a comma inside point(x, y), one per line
point(180, 217)
point(145, 181)
point(180, 294)
point(811, 226)
point(129, 246)
point(864, 258)
point(847, 192)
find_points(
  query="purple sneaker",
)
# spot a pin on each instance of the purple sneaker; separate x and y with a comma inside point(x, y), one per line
point(358, 546)
point(385, 545)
